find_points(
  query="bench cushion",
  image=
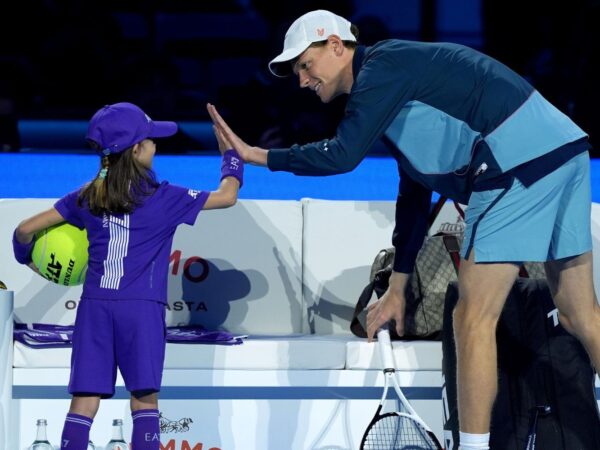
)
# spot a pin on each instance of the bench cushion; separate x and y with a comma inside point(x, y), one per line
point(408, 355)
point(256, 353)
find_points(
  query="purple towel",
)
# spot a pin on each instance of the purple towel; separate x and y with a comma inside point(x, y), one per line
point(42, 335)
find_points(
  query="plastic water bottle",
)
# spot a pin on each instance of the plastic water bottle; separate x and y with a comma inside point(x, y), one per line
point(41, 440)
point(117, 442)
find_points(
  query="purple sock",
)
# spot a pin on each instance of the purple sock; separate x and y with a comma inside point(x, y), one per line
point(76, 433)
point(146, 430)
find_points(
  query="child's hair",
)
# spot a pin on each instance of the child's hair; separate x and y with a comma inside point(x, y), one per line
point(119, 186)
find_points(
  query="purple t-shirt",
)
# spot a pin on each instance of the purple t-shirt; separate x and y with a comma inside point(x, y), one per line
point(129, 253)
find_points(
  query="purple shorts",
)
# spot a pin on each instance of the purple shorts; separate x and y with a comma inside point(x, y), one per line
point(128, 334)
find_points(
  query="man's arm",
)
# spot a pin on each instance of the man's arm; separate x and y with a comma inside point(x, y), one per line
point(412, 213)
point(380, 90)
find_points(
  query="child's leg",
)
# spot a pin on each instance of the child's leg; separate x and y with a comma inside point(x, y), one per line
point(76, 432)
point(146, 426)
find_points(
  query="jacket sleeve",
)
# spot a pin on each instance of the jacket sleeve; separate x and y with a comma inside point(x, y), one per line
point(379, 91)
point(412, 214)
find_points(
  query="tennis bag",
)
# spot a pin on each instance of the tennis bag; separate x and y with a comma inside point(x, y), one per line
point(436, 266)
point(545, 378)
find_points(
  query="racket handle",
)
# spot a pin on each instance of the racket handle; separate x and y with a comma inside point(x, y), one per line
point(385, 349)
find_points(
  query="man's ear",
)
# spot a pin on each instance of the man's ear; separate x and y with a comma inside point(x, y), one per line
point(336, 43)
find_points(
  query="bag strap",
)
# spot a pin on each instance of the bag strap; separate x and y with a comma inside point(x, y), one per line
point(450, 241)
point(435, 211)
point(453, 248)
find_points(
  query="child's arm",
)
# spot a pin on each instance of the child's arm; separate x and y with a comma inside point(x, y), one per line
point(232, 174)
point(23, 237)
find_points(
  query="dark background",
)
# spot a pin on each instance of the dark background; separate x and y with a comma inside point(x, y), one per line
point(63, 59)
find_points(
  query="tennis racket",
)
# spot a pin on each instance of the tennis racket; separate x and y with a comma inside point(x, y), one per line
point(398, 430)
point(532, 435)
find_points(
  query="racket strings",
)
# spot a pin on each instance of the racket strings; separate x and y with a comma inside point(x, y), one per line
point(393, 432)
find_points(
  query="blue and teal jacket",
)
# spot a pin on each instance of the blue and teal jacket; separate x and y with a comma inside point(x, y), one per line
point(459, 121)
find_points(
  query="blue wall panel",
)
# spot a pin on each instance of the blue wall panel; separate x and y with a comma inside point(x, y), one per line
point(45, 175)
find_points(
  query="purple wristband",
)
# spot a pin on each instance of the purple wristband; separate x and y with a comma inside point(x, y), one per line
point(22, 251)
point(232, 166)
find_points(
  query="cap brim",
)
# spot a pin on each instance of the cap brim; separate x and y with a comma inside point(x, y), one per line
point(280, 66)
point(162, 129)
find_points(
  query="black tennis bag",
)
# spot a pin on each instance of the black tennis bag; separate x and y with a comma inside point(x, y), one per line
point(545, 384)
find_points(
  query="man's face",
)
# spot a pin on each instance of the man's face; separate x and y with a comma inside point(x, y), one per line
point(319, 69)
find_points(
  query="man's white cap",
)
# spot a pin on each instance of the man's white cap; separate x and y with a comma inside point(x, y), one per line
point(312, 27)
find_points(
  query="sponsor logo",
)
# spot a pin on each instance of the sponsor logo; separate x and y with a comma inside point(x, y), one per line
point(193, 193)
point(554, 316)
point(69, 272)
point(174, 426)
point(180, 305)
point(320, 31)
point(185, 445)
point(481, 169)
point(452, 228)
point(149, 437)
point(196, 261)
point(53, 268)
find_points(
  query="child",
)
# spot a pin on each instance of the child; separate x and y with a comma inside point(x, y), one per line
point(130, 220)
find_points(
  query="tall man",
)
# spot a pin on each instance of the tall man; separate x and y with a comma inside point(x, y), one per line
point(468, 127)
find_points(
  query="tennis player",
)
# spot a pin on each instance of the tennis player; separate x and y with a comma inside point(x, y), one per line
point(130, 220)
point(468, 127)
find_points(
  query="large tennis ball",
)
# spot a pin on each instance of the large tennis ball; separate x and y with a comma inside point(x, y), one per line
point(60, 253)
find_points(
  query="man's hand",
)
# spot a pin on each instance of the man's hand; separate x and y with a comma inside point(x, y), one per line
point(223, 142)
point(390, 306)
point(252, 155)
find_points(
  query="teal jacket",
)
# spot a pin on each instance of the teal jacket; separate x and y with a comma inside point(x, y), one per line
point(457, 121)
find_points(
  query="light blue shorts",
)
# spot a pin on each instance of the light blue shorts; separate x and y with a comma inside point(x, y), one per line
point(548, 220)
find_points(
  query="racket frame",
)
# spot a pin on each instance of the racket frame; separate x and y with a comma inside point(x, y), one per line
point(389, 370)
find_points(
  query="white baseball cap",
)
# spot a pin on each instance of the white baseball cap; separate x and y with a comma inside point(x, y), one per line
point(314, 26)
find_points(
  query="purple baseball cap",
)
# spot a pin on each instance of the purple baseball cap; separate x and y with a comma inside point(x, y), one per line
point(117, 127)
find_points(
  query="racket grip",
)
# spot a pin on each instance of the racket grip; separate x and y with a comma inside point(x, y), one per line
point(385, 349)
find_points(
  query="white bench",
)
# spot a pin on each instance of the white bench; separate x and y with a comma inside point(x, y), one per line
point(285, 273)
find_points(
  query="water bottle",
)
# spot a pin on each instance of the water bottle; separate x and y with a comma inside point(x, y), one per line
point(41, 441)
point(117, 442)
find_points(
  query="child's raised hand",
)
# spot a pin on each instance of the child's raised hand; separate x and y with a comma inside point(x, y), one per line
point(223, 142)
point(227, 138)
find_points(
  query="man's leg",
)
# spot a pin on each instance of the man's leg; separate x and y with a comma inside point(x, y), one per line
point(572, 286)
point(483, 291)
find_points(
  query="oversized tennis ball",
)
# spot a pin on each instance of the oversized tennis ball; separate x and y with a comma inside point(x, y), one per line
point(60, 253)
